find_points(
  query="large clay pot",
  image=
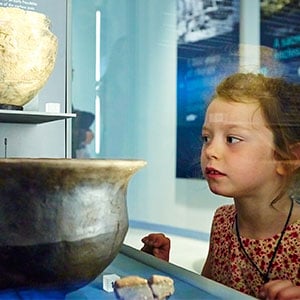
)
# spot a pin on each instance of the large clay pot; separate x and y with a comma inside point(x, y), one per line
point(27, 55)
point(62, 220)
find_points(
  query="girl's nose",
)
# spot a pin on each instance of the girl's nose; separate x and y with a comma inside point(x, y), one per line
point(210, 150)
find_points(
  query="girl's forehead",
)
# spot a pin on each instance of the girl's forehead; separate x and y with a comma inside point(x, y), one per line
point(221, 111)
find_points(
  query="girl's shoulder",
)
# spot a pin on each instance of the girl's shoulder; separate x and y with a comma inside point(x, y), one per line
point(224, 216)
point(228, 210)
point(295, 225)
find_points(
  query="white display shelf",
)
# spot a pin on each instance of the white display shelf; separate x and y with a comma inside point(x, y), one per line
point(31, 117)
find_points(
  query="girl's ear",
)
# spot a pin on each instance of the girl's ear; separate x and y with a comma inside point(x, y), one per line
point(282, 168)
point(295, 148)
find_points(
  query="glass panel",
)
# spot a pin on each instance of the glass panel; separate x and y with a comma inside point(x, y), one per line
point(102, 78)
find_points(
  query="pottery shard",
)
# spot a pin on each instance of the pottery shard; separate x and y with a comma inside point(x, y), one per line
point(162, 286)
point(133, 288)
point(157, 287)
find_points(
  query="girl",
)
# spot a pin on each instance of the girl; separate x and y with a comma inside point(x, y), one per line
point(251, 150)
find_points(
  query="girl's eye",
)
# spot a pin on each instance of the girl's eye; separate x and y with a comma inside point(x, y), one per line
point(232, 140)
point(205, 139)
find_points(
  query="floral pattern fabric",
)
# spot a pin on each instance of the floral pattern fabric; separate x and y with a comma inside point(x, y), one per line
point(230, 266)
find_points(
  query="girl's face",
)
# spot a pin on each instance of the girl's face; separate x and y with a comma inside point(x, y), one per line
point(238, 157)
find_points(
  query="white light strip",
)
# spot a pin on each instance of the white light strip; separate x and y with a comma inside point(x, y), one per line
point(97, 125)
point(97, 79)
point(98, 41)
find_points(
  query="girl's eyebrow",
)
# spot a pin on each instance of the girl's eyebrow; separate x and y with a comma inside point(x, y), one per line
point(232, 126)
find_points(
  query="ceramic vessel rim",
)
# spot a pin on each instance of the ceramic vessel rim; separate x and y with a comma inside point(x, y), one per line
point(74, 162)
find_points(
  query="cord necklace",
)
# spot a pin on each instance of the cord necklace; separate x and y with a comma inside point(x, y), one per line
point(265, 276)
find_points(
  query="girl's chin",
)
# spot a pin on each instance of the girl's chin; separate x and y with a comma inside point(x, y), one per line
point(218, 191)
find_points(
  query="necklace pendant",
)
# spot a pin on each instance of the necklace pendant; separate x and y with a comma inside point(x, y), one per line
point(266, 278)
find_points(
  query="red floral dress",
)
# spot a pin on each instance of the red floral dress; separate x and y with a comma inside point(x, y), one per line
point(230, 266)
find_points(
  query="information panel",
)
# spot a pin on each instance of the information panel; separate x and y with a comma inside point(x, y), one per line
point(280, 32)
point(207, 47)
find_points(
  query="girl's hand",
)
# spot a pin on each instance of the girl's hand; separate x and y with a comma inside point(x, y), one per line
point(157, 244)
point(280, 290)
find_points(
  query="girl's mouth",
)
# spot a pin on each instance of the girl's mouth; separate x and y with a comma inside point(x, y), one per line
point(212, 173)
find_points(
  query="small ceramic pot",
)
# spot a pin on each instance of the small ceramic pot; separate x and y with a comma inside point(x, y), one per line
point(27, 53)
